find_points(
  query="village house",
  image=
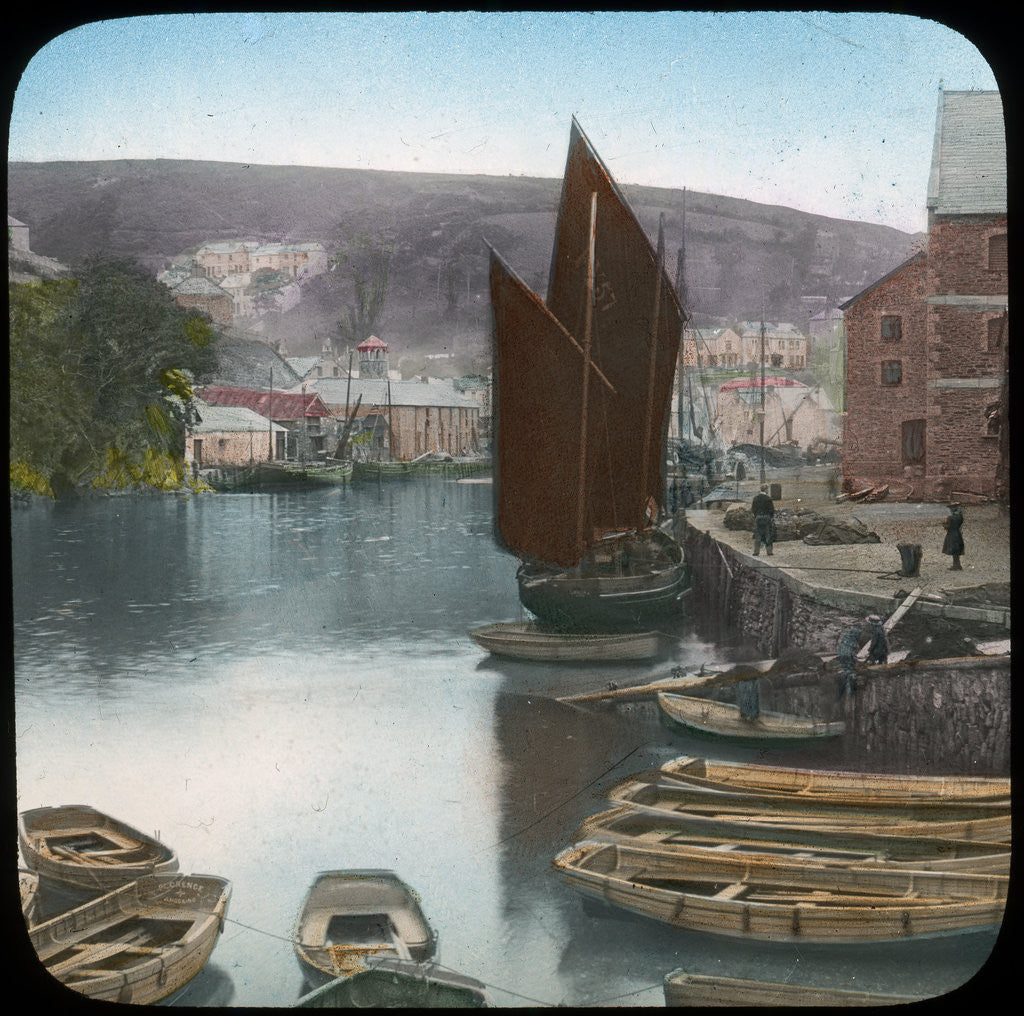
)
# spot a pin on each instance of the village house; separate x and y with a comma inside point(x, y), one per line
point(794, 413)
point(201, 294)
point(240, 257)
point(308, 426)
point(784, 344)
point(229, 436)
point(927, 344)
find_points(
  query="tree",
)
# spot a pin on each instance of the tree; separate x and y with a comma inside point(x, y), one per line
point(366, 260)
point(101, 369)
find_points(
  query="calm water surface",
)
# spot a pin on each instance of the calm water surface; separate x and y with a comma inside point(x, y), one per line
point(279, 684)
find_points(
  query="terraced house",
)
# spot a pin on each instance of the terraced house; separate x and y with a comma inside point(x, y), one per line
point(927, 344)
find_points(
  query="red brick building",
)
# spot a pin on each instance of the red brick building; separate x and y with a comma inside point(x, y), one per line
point(927, 344)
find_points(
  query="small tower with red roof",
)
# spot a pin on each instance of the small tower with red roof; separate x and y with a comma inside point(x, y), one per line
point(373, 358)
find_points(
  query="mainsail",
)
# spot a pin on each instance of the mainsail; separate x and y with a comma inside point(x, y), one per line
point(635, 328)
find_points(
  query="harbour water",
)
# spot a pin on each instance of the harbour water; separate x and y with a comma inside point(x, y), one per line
point(278, 684)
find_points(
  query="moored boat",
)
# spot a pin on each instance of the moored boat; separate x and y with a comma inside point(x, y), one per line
point(853, 785)
point(638, 828)
point(79, 846)
point(683, 988)
point(582, 392)
point(329, 473)
point(783, 901)
point(672, 797)
point(724, 721)
point(527, 641)
point(350, 918)
point(28, 886)
point(399, 984)
point(139, 943)
point(382, 469)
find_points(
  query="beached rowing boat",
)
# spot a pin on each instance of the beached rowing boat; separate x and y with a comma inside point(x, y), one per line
point(528, 641)
point(351, 917)
point(626, 824)
point(786, 901)
point(28, 885)
point(141, 942)
point(723, 721)
point(79, 846)
point(671, 797)
point(685, 989)
point(849, 785)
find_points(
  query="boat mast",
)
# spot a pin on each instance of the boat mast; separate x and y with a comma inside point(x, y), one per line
point(588, 322)
point(762, 392)
point(655, 317)
point(270, 419)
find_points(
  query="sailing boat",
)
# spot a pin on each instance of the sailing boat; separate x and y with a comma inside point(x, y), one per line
point(583, 387)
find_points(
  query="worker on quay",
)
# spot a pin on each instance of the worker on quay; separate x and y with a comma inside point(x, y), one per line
point(763, 508)
point(878, 647)
point(846, 655)
point(953, 544)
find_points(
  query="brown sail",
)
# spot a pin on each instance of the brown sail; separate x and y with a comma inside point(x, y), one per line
point(538, 378)
point(634, 336)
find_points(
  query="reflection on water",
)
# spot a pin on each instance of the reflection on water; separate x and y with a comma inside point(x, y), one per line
point(279, 684)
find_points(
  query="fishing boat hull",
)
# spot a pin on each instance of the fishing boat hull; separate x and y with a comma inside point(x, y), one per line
point(28, 886)
point(140, 943)
point(604, 594)
point(321, 474)
point(723, 721)
point(640, 829)
point(881, 787)
point(534, 642)
point(393, 984)
point(352, 918)
point(78, 846)
point(685, 989)
point(742, 897)
point(382, 470)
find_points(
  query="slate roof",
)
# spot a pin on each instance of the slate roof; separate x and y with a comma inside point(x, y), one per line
point(916, 258)
point(230, 419)
point(199, 285)
point(303, 365)
point(432, 394)
point(968, 172)
point(242, 364)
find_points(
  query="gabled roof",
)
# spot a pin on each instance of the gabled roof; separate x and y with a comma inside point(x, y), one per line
point(968, 172)
point(271, 405)
point(199, 285)
point(230, 419)
point(304, 365)
point(374, 391)
point(913, 259)
point(242, 364)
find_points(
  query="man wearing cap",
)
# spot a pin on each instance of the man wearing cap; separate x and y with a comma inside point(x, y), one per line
point(763, 508)
point(878, 647)
point(953, 544)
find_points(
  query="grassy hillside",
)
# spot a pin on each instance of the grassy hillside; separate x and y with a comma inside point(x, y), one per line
point(739, 254)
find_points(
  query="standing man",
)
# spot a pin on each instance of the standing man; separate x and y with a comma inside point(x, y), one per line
point(878, 648)
point(763, 509)
point(846, 654)
point(953, 544)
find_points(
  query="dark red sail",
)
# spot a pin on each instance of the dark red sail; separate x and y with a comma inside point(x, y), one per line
point(635, 333)
point(538, 380)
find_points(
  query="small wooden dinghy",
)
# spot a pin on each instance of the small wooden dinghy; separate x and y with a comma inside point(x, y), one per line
point(351, 917)
point(686, 989)
point(846, 785)
point(140, 943)
point(636, 828)
point(79, 846)
point(782, 901)
point(670, 797)
point(28, 884)
point(399, 984)
point(529, 641)
point(722, 720)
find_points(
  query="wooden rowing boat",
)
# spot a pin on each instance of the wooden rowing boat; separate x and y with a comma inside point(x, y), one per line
point(685, 989)
point(783, 901)
point(672, 797)
point(349, 918)
point(141, 942)
point(528, 641)
point(79, 846)
point(722, 721)
point(399, 984)
point(28, 885)
point(849, 785)
point(625, 824)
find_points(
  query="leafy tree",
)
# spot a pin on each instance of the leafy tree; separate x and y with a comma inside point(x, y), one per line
point(101, 369)
point(366, 260)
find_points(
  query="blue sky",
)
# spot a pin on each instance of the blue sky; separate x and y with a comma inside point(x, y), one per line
point(829, 113)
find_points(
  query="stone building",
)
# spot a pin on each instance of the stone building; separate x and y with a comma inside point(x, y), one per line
point(927, 344)
point(202, 294)
point(229, 436)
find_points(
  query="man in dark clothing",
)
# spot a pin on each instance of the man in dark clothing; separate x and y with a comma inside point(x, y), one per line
point(878, 648)
point(953, 544)
point(846, 654)
point(763, 509)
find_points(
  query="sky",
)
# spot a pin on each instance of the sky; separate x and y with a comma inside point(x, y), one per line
point(832, 114)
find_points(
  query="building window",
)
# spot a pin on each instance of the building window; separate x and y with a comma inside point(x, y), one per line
point(997, 252)
point(996, 333)
point(891, 327)
point(912, 442)
point(892, 372)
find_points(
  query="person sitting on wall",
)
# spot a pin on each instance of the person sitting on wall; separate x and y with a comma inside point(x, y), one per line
point(953, 544)
point(878, 647)
point(764, 521)
point(846, 655)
